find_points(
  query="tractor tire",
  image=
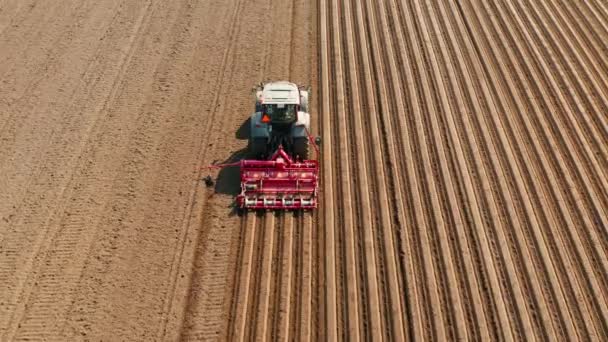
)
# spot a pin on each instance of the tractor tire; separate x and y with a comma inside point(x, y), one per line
point(300, 148)
point(258, 147)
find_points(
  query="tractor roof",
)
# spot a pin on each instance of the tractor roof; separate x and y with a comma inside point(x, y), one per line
point(281, 92)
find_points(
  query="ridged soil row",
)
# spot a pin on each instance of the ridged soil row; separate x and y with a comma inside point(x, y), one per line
point(588, 56)
point(591, 29)
point(593, 200)
point(377, 105)
point(600, 11)
point(518, 236)
point(469, 276)
point(586, 88)
point(260, 313)
point(433, 104)
point(347, 281)
point(368, 282)
point(596, 201)
point(528, 128)
point(577, 101)
point(274, 264)
point(327, 274)
point(456, 123)
point(389, 169)
point(588, 220)
point(583, 28)
point(363, 183)
point(592, 60)
point(521, 136)
point(539, 240)
point(448, 95)
point(592, 238)
point(414, 85)
point(439, 99)
point(559, 105)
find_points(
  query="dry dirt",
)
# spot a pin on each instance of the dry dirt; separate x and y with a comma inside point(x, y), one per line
point(464, 156)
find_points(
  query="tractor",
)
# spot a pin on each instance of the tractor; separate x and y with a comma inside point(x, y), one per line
point(280, 174)
point(281, 118)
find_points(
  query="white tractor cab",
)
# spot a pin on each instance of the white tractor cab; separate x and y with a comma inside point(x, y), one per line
point(281, 118)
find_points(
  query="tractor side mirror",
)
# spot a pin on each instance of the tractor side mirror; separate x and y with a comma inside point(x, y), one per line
point(318, 141)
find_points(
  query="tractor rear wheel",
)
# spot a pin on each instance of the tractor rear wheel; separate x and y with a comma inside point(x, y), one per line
point(258, 147)
point(300, 148)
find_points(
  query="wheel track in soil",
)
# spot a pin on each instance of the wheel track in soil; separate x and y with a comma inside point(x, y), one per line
point(180, 255)
point(42, 71)
point(17, 116)
point(49, 155)
point(60, 238)
point(141, 141)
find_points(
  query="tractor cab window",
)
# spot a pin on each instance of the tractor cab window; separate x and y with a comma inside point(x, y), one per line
point(281, 112)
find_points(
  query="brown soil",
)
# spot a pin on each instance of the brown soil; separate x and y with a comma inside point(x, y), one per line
point(464, 155)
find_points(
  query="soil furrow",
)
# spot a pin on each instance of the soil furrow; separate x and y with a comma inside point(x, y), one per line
point(353, 260)
point(594, 59)
point(579, 103)
point(577, 245)
point(528, 125)
point(520, 288)
point(329, 295)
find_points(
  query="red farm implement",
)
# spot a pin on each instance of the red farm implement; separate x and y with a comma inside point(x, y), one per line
point(278, 183)
point(279, 176)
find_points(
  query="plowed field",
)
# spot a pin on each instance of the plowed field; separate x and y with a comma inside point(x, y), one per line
point(464, 184)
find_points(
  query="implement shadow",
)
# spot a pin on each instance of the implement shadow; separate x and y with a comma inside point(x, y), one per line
point(228, 180)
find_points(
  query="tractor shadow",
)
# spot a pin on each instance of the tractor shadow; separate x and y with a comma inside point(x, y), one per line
point(228, 181)
point(243, 132)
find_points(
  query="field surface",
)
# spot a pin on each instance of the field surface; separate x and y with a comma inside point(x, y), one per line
point(464, 184)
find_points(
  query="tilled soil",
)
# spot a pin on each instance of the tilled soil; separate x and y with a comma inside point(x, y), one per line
point(464, 157)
